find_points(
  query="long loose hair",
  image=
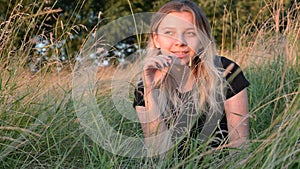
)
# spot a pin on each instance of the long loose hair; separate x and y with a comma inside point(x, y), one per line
point(206, 68)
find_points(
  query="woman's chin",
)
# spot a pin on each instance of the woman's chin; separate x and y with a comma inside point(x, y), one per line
point(184, 63)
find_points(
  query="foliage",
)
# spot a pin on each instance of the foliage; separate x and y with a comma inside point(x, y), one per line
point(62, 26)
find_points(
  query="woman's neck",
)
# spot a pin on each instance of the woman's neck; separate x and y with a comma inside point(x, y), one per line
point(184, 78)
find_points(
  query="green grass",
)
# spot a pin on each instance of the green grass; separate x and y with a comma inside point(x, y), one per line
point(273, 88)
point(39, 126)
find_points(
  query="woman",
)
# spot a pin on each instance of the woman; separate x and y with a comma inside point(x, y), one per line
point(186, 86)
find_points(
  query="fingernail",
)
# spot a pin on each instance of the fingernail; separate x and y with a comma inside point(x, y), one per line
point(158, 66)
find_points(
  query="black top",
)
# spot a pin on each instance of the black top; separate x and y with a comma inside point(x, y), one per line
point(235, 79)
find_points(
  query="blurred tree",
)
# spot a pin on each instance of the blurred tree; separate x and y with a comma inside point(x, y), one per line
point(62, 21)
point(227, 17)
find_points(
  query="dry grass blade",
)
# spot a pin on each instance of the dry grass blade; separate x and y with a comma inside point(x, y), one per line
point(19, 129)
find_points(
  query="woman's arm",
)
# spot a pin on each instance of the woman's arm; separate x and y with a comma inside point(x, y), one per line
point(155, 70)
point(151, 125)
point(236, 109)
point(157, 135)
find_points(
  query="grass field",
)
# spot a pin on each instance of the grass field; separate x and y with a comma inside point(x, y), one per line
point(39, 127)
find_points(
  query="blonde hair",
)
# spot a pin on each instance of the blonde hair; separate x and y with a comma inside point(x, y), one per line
point(206, 68)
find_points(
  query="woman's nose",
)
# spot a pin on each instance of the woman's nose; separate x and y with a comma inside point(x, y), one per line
point(180, 40)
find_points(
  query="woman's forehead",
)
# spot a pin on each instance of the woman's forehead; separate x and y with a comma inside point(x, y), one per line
point(177, 19)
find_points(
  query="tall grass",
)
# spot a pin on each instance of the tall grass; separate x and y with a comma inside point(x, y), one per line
point(39, 127)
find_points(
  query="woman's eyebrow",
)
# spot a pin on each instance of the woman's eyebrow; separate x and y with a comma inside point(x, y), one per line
point(168, 27)
point(163, 28)
point(192, 28)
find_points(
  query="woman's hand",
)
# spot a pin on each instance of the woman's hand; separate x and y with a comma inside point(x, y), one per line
point(155, 71)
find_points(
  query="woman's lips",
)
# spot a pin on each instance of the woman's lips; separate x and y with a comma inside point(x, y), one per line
point(180, 54)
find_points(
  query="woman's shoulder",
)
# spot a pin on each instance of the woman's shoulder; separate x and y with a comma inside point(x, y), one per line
point(228, 66)
point(234, 76)
point(225, 62)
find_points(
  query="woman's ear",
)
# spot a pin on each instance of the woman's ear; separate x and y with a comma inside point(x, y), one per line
point(155, 40)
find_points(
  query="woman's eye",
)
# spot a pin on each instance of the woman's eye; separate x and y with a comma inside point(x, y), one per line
point(191, 33)
point(168, 33)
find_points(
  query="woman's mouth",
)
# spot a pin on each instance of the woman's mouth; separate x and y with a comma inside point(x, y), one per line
point(180, 54)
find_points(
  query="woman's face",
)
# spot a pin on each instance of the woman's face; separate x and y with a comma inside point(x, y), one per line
point(177, 36)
